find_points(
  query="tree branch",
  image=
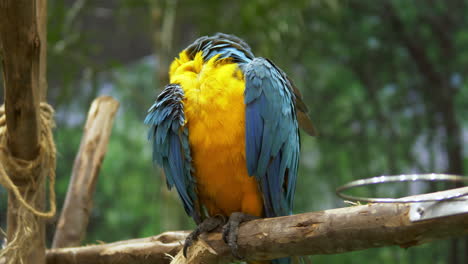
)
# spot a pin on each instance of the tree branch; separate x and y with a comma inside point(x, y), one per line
point(156, 249)
point(71, 228)
point(325, 232)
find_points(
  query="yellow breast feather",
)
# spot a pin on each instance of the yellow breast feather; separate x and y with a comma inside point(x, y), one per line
point(215, 116)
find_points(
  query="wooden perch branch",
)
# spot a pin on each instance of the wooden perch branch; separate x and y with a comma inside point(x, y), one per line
point(73, 222)
point(325, 232)
point(329, 232)
point(156, 249)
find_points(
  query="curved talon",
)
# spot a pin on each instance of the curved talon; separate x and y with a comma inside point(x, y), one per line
point(230, 238)
point(208, 225)
point(189, 240)
point(230, 230)
point(187, 244)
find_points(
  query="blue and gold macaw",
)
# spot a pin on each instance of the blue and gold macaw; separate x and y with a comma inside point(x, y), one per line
point(225, 131)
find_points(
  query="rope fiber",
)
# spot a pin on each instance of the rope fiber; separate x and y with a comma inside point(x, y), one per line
point(24, 179)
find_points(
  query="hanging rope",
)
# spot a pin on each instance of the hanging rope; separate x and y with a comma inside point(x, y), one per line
point(24, 179)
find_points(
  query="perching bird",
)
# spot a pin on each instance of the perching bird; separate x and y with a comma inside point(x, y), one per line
point(225, 131)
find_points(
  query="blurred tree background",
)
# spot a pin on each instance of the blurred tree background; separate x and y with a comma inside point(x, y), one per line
point(384, 80)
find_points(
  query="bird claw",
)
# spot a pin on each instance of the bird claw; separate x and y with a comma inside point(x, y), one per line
point(208, 225)
point(189, 241)
point(231, 229)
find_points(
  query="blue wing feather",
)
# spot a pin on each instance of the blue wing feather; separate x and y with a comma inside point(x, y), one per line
point(272, 137)
point(254, 129)
point(171, 148)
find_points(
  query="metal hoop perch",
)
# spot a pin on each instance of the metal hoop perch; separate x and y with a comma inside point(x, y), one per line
point(432, 177)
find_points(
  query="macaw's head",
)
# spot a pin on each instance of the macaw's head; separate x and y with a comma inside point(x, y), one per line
point(185, 63)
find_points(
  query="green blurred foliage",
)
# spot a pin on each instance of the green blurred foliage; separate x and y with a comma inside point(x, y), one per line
point(384, 81)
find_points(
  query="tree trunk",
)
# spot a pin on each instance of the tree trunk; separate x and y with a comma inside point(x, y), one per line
point(23, 48)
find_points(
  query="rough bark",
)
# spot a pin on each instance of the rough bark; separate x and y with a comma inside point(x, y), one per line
point(326, 232)
point(71, 228)
point(21, 44)
point(156, 249)
point(23, 50)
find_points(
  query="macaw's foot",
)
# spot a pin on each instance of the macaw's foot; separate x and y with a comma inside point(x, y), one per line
point(231, 228)
point(208, 225)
